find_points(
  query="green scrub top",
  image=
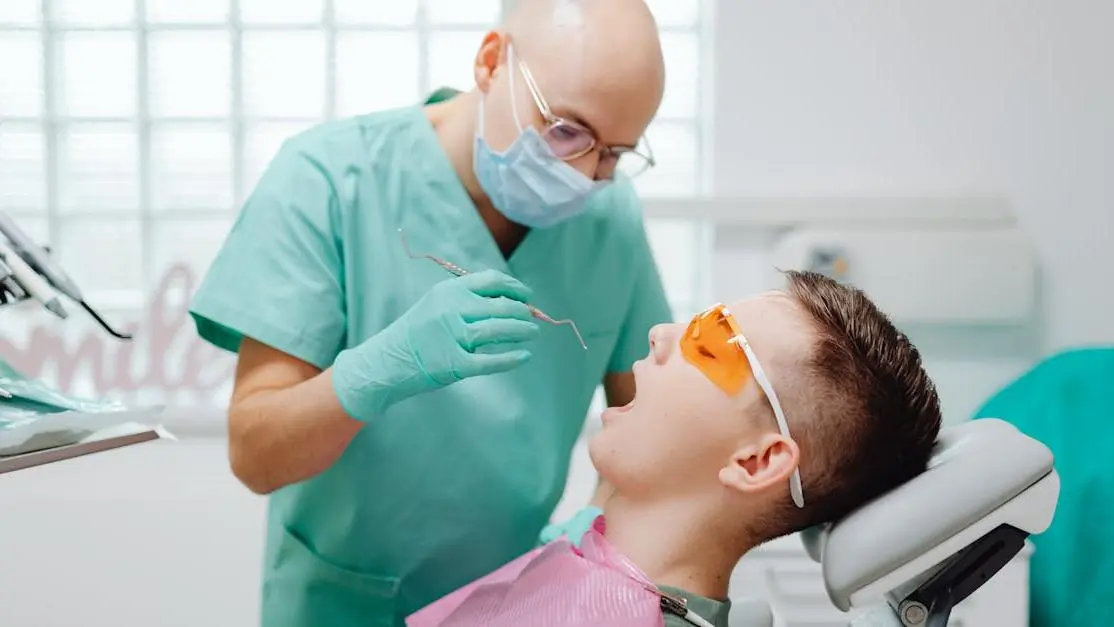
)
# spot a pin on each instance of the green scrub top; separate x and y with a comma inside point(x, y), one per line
point(1066, 403)
point(449, 485)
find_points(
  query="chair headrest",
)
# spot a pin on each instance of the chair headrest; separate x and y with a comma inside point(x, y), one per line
point(983, 474)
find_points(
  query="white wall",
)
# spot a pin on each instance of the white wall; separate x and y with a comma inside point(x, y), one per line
point(1005, 97)
point(858, 97)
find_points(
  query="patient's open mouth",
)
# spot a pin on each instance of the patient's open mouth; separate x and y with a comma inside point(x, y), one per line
point(611, 412)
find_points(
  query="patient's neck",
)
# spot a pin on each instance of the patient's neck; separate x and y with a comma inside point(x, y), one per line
point(677, 544)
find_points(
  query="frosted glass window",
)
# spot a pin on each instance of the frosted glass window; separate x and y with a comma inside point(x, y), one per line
point(193, 242)
point(187, 11)
point(674, 13)
point(22, 168)
point(195, 172)
point(451, 56)
point(93, 12)
point(98, 74)
point(20, 12)
point(485, 12)
point(21, 74)
point(284, 11)
point(99, 168)
point(682, 75)
point(191, 168)
point(284, 74)
point(102, 254)
point(392, 13)
point(38, 229)
point(190, 74)
point(675, 149)
point(366, 81)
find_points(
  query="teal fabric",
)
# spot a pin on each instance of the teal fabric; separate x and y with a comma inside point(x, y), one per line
point(442, 94)
point(573, 529)
point(1067, 402)
point(448, 485)
point(464, 327)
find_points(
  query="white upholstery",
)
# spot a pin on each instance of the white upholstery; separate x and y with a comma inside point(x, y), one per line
point(985, 477)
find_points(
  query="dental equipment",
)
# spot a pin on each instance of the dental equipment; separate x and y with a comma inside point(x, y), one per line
point(928, 545)
point(33, 271)
point(35, 286)
point(9, 287)
point(458, 271)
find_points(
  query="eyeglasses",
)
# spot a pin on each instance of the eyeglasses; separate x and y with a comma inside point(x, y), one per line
point(714, 344)
point(569, 140)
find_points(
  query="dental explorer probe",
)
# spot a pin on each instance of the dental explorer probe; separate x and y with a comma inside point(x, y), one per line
point(458, 271)
point(44, 264)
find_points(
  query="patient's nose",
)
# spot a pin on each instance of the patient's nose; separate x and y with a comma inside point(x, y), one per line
point(661, 342)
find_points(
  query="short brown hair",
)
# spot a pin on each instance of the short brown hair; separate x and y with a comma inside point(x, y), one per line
point(873, 414)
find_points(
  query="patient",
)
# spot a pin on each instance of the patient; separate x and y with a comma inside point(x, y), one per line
point(732, 442)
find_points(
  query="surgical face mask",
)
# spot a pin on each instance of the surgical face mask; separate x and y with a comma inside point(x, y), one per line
point(527, 183)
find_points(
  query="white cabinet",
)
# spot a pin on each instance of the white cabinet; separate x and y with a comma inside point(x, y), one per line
point(783, 574)
point(157, 534)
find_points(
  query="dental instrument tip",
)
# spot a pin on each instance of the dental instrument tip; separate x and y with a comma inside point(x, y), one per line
point(55, 307)
point(578, 337)
point(104, 324)
point(541, 315)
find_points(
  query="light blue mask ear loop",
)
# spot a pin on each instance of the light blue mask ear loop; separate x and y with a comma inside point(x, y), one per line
point(514, 101)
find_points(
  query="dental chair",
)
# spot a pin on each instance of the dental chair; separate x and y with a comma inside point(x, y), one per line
point(920, 550)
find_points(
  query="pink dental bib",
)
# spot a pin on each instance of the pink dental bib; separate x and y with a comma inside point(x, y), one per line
point(555, 586)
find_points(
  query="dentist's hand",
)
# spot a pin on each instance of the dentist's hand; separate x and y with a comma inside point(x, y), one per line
point(464, 327)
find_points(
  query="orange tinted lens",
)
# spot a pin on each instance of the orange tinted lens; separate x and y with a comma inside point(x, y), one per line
point(707, 345)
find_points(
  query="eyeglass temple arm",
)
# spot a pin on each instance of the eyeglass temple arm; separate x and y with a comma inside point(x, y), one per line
point(649, 151)
point(535, 93)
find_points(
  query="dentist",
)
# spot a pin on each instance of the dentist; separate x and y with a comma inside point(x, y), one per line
point(414, 429)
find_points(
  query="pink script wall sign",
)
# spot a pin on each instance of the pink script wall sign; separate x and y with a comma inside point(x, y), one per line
point(164, 360)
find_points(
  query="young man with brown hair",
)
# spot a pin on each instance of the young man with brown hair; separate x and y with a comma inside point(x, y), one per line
point(755, 421)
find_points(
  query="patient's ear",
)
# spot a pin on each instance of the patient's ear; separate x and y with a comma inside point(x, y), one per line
point(763, 464)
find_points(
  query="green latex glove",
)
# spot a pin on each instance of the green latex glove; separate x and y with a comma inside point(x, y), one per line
point(463, 327)
point(573, 529)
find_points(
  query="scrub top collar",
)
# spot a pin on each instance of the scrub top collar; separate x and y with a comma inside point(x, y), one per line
point(448, 214)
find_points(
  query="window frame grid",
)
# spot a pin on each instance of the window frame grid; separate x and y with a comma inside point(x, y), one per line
point(53, 125)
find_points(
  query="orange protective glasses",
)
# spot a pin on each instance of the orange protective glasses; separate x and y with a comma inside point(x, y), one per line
point(717, 347)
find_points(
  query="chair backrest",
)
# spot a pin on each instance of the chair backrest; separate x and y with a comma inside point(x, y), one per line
point(983, 474)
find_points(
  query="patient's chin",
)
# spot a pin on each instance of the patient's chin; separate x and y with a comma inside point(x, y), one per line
point(601, 452)
point(593, 447)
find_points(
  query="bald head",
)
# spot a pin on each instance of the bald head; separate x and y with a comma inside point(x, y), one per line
point(595, 62)
point(625, 28)
point(597, 53)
